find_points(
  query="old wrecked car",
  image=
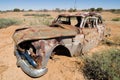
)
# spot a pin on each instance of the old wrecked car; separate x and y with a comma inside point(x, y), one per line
point(69, 34)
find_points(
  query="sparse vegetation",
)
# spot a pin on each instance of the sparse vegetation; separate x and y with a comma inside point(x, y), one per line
point(8, 22)
point(44, 10)
point(92, 9)
point(99, 9)
point(116, 19)
point(30, 10)
point(72, 10)
point(16, 10)
point(57, 10)
point(39, 19)
point(103, 65)
point(42, 21)
point(38, 15)
point(116, 11)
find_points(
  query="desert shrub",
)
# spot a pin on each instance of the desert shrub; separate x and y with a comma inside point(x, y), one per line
point(38, 15)
point(116, 19)
point(99, 9)
point(103, 66)
point(2, 12)
point(112, 10)
point(72, 10)
point(8, 22)
point(30, 10)
point(92, 9)
point(116, 11)
point(16, 10)
point(85, 10)
point(57, 10)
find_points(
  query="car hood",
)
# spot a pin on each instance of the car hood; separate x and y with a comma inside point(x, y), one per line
point(36, 33)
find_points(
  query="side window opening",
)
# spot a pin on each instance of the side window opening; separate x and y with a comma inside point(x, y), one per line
point(100, 20)
point(64, 20)
point(87, 24)
point(93, 22)
point(90, 23)
point(73, 21)
point(79, 20)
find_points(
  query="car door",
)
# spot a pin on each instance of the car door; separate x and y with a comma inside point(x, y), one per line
point(91, 35)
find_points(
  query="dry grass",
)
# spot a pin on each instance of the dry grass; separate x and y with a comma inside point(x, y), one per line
point(6, 22)
point(103, 65)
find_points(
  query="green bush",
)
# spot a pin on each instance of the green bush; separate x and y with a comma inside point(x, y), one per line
point(38, 15)
point(99, 9)
point(116, 19)
point(16, 10)
point(103, 66)
point(92, 9)
point(7, 22)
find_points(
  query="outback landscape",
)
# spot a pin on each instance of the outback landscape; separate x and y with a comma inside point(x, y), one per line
point(62, 67)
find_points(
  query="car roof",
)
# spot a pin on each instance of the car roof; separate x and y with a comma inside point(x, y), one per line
point(86, 14)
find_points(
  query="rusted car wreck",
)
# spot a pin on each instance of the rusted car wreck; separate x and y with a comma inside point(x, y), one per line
point(71, 35)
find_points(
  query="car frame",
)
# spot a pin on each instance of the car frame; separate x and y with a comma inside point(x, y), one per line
point(34, 45)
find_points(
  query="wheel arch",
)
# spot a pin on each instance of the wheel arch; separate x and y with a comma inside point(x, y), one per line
point(61, 50)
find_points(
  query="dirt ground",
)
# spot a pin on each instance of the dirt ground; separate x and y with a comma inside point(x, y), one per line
point(62, 68)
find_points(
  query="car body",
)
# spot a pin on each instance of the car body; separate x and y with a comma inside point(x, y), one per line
point(69, 34)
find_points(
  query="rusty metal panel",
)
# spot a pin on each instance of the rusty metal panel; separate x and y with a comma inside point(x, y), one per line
point(34, 33)
point(41, 42)
point(91, 40)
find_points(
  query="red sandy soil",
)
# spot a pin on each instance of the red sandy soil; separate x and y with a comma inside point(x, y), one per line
point(61, 68)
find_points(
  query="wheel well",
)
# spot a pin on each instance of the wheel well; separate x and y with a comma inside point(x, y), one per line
point(61, 50)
